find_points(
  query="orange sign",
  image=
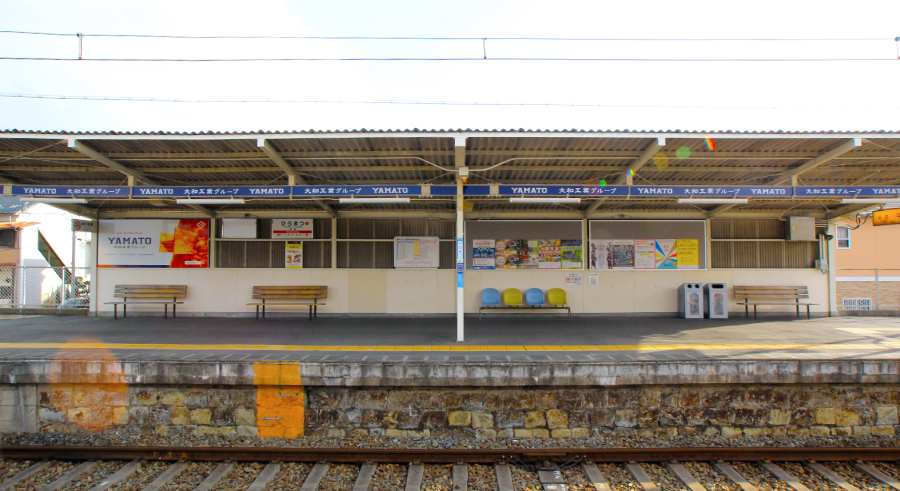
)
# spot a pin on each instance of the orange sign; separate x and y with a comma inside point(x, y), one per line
point(886, 217)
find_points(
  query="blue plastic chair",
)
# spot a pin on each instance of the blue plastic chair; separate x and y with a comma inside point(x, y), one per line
point(534, 296)
point(489, 297)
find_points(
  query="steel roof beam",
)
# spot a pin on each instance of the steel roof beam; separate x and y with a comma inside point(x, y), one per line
point(131, 173)
point(294, 178)
point(625, 177)
point(849, 209)
point(789, 176)
point(720, 209)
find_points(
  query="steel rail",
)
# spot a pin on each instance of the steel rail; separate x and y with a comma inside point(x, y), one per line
point(451, 455)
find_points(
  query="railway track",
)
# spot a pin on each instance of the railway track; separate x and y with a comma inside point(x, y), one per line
point(271, 469)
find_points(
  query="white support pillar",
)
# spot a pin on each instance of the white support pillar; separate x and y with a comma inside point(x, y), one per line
point(830, 246)
point(460, 158)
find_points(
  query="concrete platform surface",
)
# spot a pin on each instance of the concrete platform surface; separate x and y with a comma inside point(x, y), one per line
point(532, 338)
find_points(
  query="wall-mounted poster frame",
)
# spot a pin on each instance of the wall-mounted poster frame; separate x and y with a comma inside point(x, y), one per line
point(417, 252)
point(646, 245)
point(527, 244)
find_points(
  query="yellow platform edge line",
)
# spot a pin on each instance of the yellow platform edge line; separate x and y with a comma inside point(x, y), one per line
point(439, 348)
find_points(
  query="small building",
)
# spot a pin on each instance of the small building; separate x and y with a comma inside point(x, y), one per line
point(867, 262)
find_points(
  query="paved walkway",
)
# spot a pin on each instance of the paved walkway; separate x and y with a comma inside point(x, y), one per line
point(502, 338)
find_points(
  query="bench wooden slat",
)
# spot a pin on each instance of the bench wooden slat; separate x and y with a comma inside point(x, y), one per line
point(287, 295)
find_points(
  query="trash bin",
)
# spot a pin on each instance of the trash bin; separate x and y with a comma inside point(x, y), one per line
point(716, 300)
point(690, 301)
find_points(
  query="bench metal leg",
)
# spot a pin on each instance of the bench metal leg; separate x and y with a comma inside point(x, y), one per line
point(264, 311)
point(115, 311)
point(124, 310)
point(173, 310)
point(747, 310)
point(798, 311)
point(754, 311)
point(807, 312)
point(257, 312)
point(310, 312)
point(166, 310)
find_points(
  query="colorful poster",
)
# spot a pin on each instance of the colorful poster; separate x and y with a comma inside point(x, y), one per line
point(644, 254)
point(510, 253)
point(571, 254)
point(153, 244)
point(417, 252)
point(483, 254)
point(623, 254)
point(293, 255)
point(666, 254)
point(688, 253)
point(601, 254)
point(549, 254)
point(292, 228)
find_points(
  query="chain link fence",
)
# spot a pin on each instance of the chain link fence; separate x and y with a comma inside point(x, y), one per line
point(44, 287)
point(868, 289)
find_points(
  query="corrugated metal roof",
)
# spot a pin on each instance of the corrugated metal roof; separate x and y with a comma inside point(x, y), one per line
point(10, 205)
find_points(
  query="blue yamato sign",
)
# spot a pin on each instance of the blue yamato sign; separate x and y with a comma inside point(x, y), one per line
point(214, 191)
point(385, 191)
point(83, 191)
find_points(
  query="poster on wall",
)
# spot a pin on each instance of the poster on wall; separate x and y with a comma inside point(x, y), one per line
point(549, 254)
point(511, 253)
point(293, 255)
point(153, 244)
point(644, 254)
point(483, 254)
point(666, 254)
point(292, 228)
point(601, 254)
point(571, 253)
point(688, 253)
point(417, 252)
point(623, 254)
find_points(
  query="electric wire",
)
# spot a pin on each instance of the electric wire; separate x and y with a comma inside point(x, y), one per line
point(444, 59)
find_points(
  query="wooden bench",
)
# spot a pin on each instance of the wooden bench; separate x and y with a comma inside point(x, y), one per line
point(144, 294)
point(772, 295)
point(289, 295)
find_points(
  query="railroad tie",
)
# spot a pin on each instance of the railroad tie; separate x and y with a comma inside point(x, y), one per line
point(119, 476)
point(551, 480)
point(70, 476)
point(685, 477)
point(504, 477)
point(878, 475)
point(24, 474)
point(364, 478)
point(595, 477)
point(414, 477)
point(460, 477)
point(211, 480)
point(735, 476)
point(315, 477)
point(161, 480)
point(832, 476)
point(265, 476)
point(784, 476)
point(640, 475)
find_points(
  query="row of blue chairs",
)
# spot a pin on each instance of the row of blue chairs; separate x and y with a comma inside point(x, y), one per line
point(533, 299)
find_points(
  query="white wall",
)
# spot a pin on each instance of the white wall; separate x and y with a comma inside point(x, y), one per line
point(402, 291)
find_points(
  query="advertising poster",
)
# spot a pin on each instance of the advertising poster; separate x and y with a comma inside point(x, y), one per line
point(688, 253)
point(601, 254)
point(153, 244)
point(292, 228)
point(510, 253)
point(666, 254)
point(549, 254)
point(571, 254)
point(483, 254)
point(623, 254)
point(293, 255)
point(644, 254)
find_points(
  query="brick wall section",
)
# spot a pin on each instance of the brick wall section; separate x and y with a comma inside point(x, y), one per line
point(726, 410)
point(888, 293)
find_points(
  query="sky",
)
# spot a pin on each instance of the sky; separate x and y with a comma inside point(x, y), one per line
point(474, 94)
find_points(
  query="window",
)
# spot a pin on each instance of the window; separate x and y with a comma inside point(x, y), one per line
point(8, 238)
point(843, 237)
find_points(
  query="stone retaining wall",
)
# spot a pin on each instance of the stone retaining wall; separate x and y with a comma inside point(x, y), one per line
point(409, 412)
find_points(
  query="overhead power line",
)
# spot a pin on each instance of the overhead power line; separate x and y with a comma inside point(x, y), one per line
point(463, 38)
point(95, 98)
point(485, 58)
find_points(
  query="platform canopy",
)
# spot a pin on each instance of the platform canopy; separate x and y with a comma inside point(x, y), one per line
point(615, 174)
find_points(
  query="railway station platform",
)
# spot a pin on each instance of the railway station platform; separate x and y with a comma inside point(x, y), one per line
point(496, 338)
point(514, 377)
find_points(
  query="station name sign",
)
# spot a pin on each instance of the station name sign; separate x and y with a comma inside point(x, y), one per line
point(388, 190)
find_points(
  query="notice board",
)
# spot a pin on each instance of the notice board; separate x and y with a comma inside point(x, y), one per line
point(417, 252)
point(646, 244)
